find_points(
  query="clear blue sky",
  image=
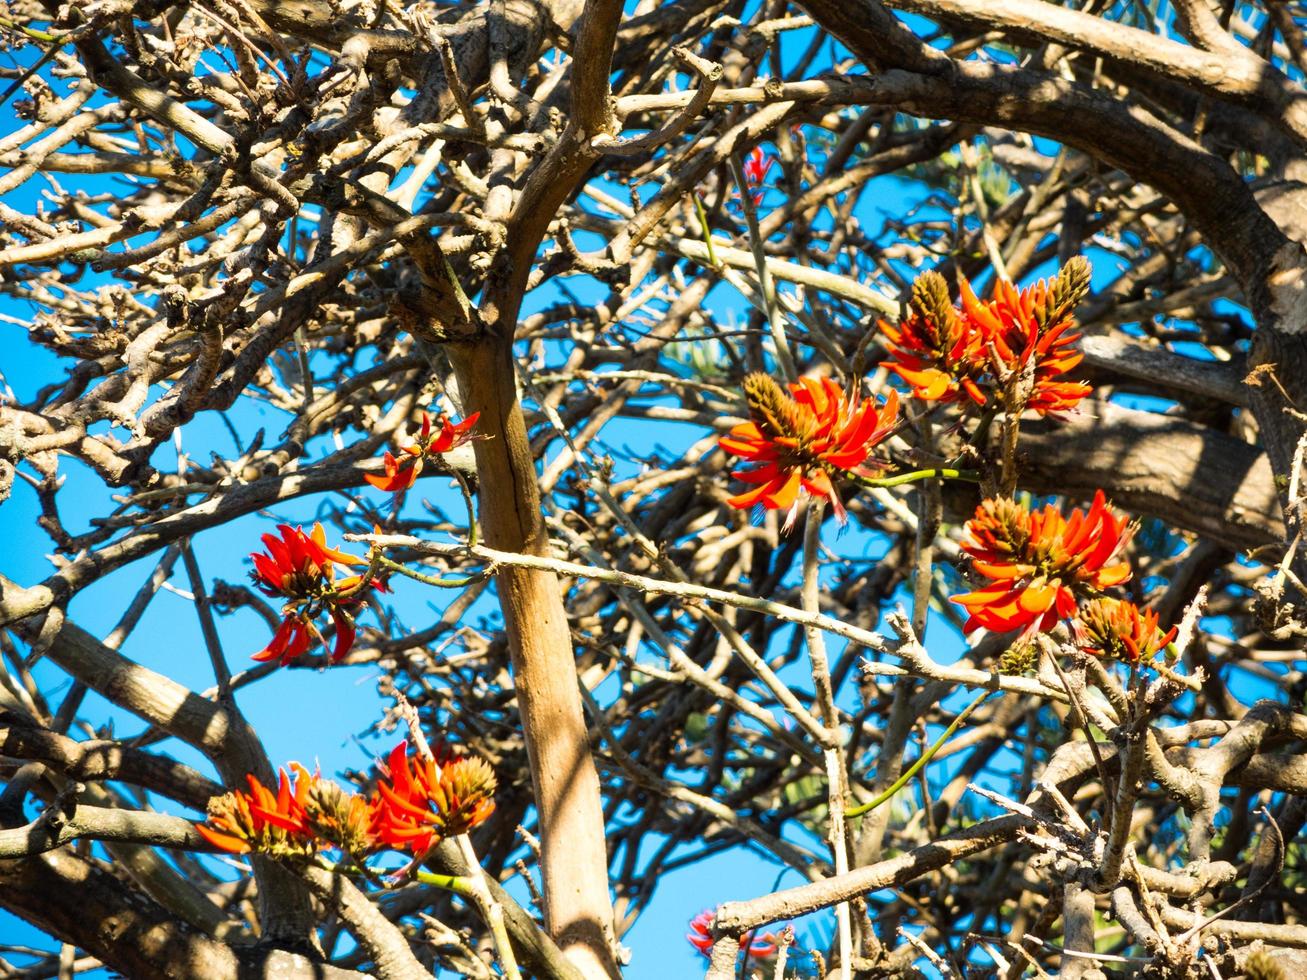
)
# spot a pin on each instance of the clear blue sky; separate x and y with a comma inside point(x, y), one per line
point(323, 717)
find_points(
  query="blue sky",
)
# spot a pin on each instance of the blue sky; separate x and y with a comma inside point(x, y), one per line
point(324, 717)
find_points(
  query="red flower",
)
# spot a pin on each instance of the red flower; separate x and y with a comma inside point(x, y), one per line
point(1119, 630)
point(420, 801)
point(935, 349)
point(260, 820)
point(1039, 562)
point(300, 568)
point(299, 819)
point(700, 937)
point(801, 442)
point(1027, 337)
point(1014, 346)
point(401, 472)
point(297, 564)
point(756, 167)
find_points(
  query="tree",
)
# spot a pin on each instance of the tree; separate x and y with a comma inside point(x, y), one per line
point(578, 228)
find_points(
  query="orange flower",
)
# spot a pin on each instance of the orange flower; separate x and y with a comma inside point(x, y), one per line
point(1014, 346)
point(1039, 562)
point(300, 567)
point(260, 820)
point(1027, 337)
point(402, 472)
point(801, 442)
point(302, 817)
point(1119, 630)
point(935, 350)
point(420, 801)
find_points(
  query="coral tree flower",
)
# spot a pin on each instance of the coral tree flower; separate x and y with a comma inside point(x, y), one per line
point(700, 937)
point(1039, 562)
point(1119, 630)
point(301, 568)
point(936, 350)
point(263, 821)
point(402, 471)
point(420, 801)
point(416, 803)
point(804, 441)
point(1029, 339)
point(1012, 347)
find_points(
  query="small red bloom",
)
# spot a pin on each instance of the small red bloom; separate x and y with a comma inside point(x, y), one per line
point(402, 472)
point(297, 564)
point(421, 801)
point(1119, 630)
point(756, 167)
point(1039, 562)
point(301, 568)
point(801, 442)
point(700, 937)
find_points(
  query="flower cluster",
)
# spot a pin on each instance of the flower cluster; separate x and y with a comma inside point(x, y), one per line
point(1012, 348)
point(301, 568)
point(424, 800)
point(260, 820)
point(1119, 630)
point(700, 937)
point(1045, 568)
point(936, 350)
point(402, 471)
point(805, 440)
point(1040, 562)
point(415, 805)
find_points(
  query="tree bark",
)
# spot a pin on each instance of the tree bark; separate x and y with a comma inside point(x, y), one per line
point(69, 897)
point(574, 858)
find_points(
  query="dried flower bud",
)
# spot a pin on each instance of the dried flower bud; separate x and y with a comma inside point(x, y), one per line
point(341, 818)
point(1018, 659)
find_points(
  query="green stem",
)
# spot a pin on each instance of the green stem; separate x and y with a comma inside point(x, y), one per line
point(941, 473)
point(857, 811)
point(440, 583)
point(32, 32)
point(765, 284)
point(475, 890)
point(705, 229)
point(471, 508)
point(450, 883)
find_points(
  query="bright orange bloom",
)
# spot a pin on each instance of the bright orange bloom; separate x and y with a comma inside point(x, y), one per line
point(302, 817)
point(1013, 346)
point(300, 567)
point(260, 820)
point(421, 801)
point(1119, 630)
point(804, 441)
point(1039, 562)
point(402, 471)
point(700, 937)
point(1027, 335)
point(935, 349)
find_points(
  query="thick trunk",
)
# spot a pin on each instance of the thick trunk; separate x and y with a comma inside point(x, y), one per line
point(578, 910)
